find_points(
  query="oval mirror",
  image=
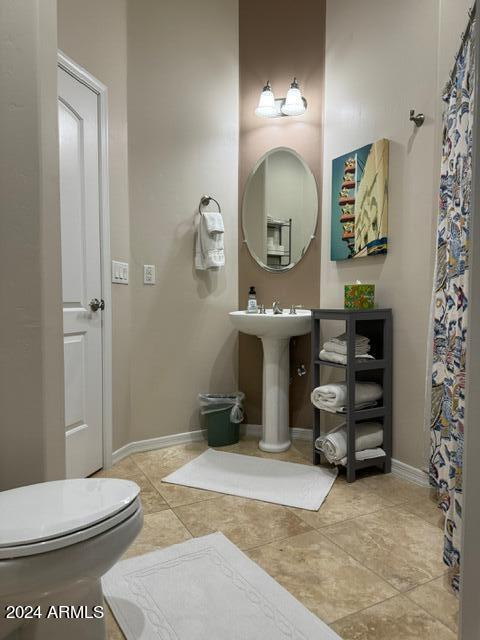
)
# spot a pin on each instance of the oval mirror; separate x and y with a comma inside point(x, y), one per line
point(280, 207)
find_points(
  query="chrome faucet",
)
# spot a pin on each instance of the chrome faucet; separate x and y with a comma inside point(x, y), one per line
point(293, 309)
point(277, 309)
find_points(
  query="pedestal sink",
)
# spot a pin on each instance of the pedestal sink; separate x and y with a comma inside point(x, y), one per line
point(275, 332)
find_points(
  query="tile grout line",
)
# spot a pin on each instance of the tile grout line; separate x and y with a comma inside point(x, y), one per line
point(426, 610)
point(147, 478)
point(167, 483)
point(390, 508)
point(386, 600)
point(263, 544)
point(189, 504)
point(424, 519)
point(372, 570)
point(183, 523)
point(283, 539)
point(355, 613)
point(338, 522)
point(362, 565)
point(370, 513)
point(398, 593)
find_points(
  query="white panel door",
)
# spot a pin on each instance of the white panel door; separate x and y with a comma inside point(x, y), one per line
point(81, 275)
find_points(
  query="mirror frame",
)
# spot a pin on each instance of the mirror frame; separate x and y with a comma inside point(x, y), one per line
point(247, 183)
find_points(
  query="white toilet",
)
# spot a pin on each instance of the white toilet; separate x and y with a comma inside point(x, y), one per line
point(56, 541)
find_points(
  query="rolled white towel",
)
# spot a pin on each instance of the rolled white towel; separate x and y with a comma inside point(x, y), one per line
point(334, 395)
point(343, 409)
point(340, 358)
point(335, 347)
point(333, 445)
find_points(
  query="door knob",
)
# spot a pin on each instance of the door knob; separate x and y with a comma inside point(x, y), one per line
point(96, 304)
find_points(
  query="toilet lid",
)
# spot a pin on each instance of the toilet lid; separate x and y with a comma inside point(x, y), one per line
point(51, 509)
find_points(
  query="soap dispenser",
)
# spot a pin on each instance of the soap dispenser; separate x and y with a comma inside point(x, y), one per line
point(252, 301)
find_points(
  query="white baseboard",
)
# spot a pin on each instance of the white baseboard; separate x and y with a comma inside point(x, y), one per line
point(296, 433)
point(411, 474)
point(399, 469)
point(158, 443)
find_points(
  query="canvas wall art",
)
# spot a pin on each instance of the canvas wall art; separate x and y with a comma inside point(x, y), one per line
point(360, 202)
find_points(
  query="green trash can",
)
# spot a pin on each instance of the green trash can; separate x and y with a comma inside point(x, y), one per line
point(221, 417)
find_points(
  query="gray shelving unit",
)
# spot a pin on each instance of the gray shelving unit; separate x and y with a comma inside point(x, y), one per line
point(375, 324)
point(275, 260)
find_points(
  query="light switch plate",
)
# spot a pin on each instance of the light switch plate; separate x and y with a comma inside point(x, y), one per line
point(119, 272)
point(149, 274)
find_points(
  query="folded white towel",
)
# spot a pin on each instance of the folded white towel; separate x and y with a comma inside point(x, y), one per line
point(342, 340)
point(332, 356)
point(343, 409)
point(334, 444)
point(214, 221)
point(334, 396)
point(335, 347)
point(209, 250)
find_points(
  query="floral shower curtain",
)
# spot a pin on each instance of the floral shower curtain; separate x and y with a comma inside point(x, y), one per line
point(450, 308)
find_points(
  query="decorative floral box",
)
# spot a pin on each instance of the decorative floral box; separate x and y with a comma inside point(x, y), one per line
point(359, 296)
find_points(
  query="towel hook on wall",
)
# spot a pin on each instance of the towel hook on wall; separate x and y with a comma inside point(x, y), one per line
point(205, 201)
point(418, 119)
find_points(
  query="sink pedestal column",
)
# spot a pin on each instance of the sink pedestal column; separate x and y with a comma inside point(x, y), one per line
point(276, 383)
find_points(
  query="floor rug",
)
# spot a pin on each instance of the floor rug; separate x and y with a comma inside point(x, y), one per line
point(205, 589)
point(287, 483)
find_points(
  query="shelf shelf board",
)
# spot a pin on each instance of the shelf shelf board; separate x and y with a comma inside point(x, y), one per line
point(326, 363)
point(371, 412)
point(370, 462)
point(360, 414)
point(277, 224)
point(369, 365)
point(361, 464)
point(361, 365)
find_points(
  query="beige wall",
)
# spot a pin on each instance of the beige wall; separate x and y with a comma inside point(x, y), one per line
point(183, 142)
point(368, 97)
point(94, 34)
point(280, 39)
point(32, 432)
point(453, 17)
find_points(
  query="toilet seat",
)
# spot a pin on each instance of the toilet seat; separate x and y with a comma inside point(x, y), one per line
point(51, 515)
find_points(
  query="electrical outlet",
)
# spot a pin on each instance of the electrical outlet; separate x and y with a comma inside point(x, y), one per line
point(149, 274)
point(119, 272)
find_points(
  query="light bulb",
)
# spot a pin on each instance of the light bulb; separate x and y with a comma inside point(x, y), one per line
point(266, 104)
point(294, 104)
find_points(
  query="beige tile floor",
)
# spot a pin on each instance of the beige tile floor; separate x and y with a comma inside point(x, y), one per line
point(368, 562)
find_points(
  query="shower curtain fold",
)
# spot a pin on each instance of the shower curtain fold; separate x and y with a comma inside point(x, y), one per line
point(450, 304)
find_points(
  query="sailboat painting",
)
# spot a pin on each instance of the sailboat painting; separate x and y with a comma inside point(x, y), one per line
point(360, 202)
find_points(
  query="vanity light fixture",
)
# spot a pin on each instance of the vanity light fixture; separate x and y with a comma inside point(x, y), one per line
point(294, 104)
point(270, 107)
point(266, 105)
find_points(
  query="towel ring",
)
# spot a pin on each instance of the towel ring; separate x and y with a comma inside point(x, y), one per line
point(205, 201)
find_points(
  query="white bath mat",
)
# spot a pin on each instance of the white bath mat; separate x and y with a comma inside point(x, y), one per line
point(205, 589)
point(287, 483)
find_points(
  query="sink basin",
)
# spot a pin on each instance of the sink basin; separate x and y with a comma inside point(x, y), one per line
point(268, 324)
point(275, 332)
